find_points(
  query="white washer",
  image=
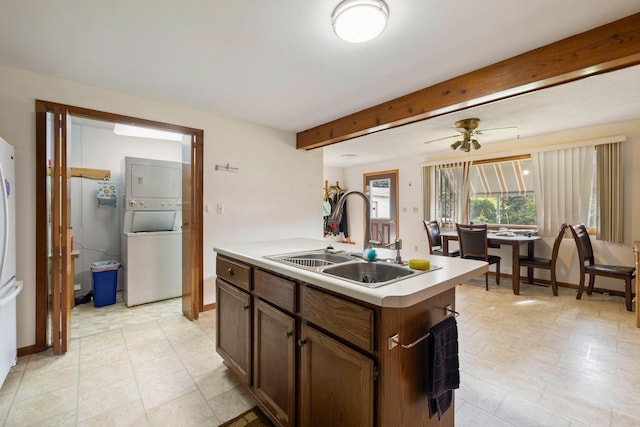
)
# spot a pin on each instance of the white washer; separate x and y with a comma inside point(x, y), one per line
point(152, 264)
point(151, 232)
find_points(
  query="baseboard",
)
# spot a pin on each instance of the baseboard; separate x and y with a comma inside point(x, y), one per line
point(208, 307)
point(523, 279)
point(31, 349)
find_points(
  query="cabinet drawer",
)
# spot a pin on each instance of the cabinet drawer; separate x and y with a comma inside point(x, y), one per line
point(234, 272)
point(345, 319)
point(279, 291)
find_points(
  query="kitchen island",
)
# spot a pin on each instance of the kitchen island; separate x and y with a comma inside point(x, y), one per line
point(319, 350)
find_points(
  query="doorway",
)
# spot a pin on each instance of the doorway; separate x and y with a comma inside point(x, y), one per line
point(382, 190)
point(53, 229)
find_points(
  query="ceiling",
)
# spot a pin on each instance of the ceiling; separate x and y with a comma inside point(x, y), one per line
point(278, 62)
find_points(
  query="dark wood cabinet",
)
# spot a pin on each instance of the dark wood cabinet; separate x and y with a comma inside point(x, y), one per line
point(274, 357)
point(233, 328)
point(336, 382)
point(313, 357)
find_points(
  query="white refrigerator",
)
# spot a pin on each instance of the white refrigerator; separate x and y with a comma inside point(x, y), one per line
point(9, 287)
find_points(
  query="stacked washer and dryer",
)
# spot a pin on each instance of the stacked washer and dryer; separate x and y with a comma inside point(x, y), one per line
point(151, 235)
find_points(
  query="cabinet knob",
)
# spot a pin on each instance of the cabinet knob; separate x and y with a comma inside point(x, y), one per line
point(229, 271)
point(289, 334)
point(245, 307)
point(301, 342)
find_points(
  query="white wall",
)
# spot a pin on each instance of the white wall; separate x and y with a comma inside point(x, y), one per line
point(277, 192)
point(97, 230)
point(333, 174)
point(412, 232)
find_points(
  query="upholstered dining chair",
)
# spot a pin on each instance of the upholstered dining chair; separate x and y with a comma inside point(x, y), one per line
point(435, 241)
point(588, 266)
point(474, 245)
point(546, 263)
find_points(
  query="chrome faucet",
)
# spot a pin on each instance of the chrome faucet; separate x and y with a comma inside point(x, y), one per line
point(336, 216)
point(397, 245)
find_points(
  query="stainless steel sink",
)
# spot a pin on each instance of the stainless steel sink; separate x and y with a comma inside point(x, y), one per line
point(370, 274)
point(312, 259)
point(347, 267)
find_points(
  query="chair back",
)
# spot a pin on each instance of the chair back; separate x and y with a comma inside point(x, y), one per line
point(583, 242)
point(473, 240)
point(556, 245)
point(433, 234)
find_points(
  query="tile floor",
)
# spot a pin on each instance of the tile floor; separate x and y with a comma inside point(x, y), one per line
point(528, 360)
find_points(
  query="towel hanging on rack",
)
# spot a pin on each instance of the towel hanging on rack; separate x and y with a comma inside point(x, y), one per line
point(106, 194)
point(444, 369)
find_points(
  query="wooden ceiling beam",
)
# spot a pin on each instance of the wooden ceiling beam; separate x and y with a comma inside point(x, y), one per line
point(607, 48)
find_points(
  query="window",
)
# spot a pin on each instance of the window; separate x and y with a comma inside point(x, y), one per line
point(450, 180)
point(502, 192)
point(379, 197)
point(574, 184)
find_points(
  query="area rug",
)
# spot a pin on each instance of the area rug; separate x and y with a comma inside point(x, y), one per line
point(252, 418)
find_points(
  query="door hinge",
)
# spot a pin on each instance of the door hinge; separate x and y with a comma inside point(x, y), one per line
point(376, 373)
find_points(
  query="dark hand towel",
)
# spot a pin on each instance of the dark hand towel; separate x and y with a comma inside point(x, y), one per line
point(444, 373)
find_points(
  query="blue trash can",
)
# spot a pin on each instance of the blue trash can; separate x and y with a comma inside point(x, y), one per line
point(105, 282)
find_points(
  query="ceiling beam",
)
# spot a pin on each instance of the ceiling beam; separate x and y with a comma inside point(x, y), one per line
point(607, 48)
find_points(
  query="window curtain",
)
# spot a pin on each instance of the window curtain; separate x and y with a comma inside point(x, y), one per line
point(562, 185)
point(610, 190)
point(427, 191)
point(452, 188)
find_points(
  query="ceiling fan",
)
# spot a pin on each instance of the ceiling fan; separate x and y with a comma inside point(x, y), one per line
point(468, 129)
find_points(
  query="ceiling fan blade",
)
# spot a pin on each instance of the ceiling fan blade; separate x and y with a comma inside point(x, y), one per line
point(440, 139)
point(511, 129)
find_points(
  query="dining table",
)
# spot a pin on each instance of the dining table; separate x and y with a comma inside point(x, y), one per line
point(503, 238)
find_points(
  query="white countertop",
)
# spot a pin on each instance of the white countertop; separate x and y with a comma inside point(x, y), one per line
point(404, 293)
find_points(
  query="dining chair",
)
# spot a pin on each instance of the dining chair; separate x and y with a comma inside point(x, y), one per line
point(435, 240)
point(474, 245)
point(588, 266)
point(546, 263)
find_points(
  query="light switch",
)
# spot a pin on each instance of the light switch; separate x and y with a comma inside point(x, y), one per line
point(220, 208)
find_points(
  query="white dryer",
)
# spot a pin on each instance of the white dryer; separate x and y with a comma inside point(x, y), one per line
point(151, 235)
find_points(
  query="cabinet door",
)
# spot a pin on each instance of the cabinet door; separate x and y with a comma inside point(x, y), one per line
point(336, 382)
point(233, 328)
point(274, 361)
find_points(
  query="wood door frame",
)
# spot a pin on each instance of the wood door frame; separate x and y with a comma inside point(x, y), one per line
point(42, 107)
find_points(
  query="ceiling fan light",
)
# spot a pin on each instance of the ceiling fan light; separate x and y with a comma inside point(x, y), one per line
point(358, 21)
point(466, 147)
point(476, 144)
point(456, 145)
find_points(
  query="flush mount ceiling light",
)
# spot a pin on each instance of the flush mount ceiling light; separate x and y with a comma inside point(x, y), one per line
point(142, 132)
point(358, 21)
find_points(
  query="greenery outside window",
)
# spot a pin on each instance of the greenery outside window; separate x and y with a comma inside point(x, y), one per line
point(502, 192)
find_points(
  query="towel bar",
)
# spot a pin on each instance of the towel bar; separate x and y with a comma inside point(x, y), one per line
point(394, 340)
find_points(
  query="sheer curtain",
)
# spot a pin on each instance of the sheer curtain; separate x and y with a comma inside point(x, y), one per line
point(562, 187)
point(452, 188)
point(610, 188)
